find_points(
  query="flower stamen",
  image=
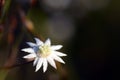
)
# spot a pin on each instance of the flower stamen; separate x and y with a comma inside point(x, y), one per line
point(44, 50)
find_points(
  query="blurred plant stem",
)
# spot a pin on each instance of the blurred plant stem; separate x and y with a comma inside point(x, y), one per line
point(3, 73)
point(12, 51)
point(4, 9)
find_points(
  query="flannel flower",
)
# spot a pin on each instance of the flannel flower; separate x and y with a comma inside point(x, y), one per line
point(44, 53)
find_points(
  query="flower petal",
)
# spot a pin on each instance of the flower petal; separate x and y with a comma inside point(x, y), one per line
point(58, 58)
point(38, 41)
point(44, 64)
point(29, 50)
point(31, 44)
point(39, 64)
point(30, 56)
point(59, 53)
point(56, 47)
point(36, 48)
point(51, 62)
point(35, 61)
point(48, 42)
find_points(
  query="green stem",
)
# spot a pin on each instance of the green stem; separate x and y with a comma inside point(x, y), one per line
point(3, 74)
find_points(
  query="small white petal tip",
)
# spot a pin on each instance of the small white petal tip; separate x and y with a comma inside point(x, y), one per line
point(48, 42)
point(38, 41)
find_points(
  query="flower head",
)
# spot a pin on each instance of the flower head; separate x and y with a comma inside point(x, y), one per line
point(44, 53)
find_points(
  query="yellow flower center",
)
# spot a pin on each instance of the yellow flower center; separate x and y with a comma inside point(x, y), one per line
point(44, 50)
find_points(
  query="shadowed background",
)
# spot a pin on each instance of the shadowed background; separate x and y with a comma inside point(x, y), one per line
point(87, 29)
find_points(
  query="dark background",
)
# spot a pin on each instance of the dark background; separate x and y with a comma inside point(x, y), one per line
point(89, 31)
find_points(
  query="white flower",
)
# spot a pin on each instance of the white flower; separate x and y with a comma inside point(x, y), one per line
point(44, 53)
